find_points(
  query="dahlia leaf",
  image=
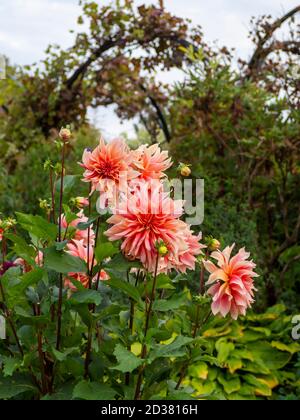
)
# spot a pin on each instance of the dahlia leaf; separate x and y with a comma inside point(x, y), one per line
point(105, 250)
point(63, 263)
point(93, 391)
point(37, 226)
point(125, 287)
point(128, 362)
point(87, 296)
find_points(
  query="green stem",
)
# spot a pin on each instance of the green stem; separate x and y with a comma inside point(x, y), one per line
point(197, 326)
point(52, 195)
point(93, 308)
point(148, 318)
point(61, 285)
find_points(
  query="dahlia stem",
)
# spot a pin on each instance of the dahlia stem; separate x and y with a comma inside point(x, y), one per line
point(89, 239)
point(52, 195)
point(197, 326)
point(148, 318)
point(10, 320)
point(61, 196)
point(93, 308)
point(131, 321)
point(61, 284)
point(41, 355)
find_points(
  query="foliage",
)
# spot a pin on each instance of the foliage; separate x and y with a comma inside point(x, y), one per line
point(252, 359)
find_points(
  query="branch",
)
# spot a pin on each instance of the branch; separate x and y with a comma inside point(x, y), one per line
point(160, 115)
point(287, 266)
point(261, 53)
point(287, 243)
point(80, 72)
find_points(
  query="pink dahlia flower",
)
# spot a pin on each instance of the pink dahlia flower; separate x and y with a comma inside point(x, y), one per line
point(1, 234)
point(233, 291)
point(151, 162)
point(187, 257)
point(39, 260)
point(108, 166)
point(80, 235)
point(146, 218)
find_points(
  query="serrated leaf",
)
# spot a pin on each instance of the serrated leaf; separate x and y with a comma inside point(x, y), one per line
point(128, 362)
point(37, 226)
point(175, 349)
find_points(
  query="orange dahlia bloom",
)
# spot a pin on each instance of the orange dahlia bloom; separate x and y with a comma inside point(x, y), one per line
point(151, 162)
point(233, 291)
point(187, 257)
point(147, 217)
point(108, 165)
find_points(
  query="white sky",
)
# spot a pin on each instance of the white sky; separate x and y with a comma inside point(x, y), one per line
point(27, 27)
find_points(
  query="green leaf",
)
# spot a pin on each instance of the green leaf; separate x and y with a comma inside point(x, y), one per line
point(175, 349)
point(92, 391)
point(272, 358)
point(87, 296)
point(10, 365)
point(37, 226)
point(62, 262)
point(69, 183)
point(261, 387)
point(21, 248)
point(230, 385)
point(12, 387)
point(105, 250)
point(168, 305)
point(164, 282)
point(86, 225)
point(125, 287)
point(62, 356)
point(29, 319)
point(69, 215)
point(120, 264)
point(128, 362)
point(290, 348)
point(27, 280)
point(224, 349)
point(234, 364)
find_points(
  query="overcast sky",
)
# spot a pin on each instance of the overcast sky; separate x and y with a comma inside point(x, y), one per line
point(27, 27)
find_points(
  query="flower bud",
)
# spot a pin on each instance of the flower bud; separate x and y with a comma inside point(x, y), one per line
point(65, 134)
point(184, 169)
point(44, 205)
point(215, 245)
point(80, 202)
point(212, 243)
point(162, 249)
